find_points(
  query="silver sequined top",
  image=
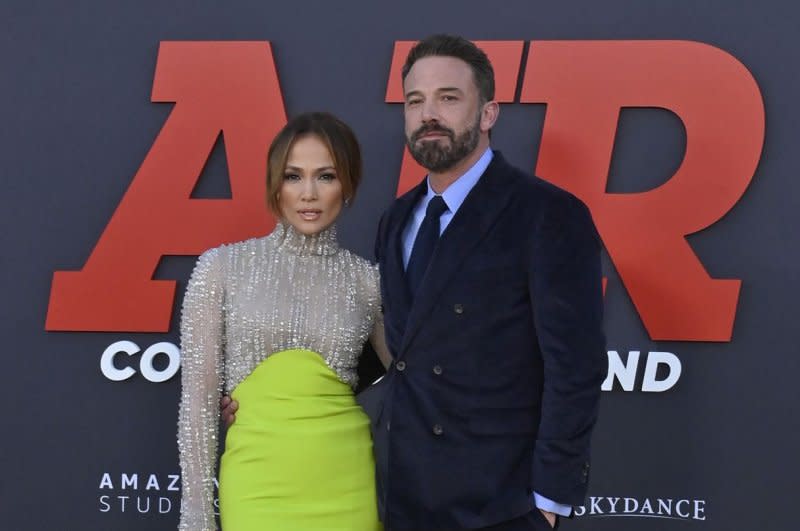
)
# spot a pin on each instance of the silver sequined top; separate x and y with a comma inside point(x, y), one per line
point(246, 301)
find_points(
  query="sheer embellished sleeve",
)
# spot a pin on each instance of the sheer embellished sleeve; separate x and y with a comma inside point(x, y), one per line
point(377, 337)
point(202, 345)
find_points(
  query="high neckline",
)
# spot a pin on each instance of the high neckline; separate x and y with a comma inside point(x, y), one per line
point(290, 240)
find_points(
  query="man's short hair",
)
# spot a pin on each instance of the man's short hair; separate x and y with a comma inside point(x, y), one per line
point(454, 46)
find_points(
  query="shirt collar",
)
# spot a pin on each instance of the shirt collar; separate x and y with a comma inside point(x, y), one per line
point(457, 192)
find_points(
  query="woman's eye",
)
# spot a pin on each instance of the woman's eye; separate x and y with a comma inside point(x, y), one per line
point(291, 177)
point(327, 177)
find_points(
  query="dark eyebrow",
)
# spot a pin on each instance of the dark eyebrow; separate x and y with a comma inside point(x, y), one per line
point(439, 90)
point(324, 168)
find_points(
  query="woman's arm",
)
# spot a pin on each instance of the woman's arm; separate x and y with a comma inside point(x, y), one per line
point(202, 337)
point(378, 340)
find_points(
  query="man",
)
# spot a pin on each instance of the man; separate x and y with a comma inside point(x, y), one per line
point(493, 312)
point(495, 328)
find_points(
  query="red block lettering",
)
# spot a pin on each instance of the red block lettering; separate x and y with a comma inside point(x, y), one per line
point(228, 88)
point(585, 84)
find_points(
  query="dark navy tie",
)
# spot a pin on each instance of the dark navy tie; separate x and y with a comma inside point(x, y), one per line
point(425, 243)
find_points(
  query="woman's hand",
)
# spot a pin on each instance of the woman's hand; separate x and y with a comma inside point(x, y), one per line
point(228, 408)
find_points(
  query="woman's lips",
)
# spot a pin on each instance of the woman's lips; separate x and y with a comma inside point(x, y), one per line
point(310, 215)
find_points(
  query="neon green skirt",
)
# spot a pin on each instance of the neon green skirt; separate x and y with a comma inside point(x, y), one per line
point(299, 456)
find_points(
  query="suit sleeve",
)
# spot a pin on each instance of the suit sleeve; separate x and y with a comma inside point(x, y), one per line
point(566, 295)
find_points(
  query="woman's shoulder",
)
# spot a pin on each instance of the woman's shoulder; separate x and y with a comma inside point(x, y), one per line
point(227, 255)
point(359, 263)
point(240, 248)
point(363, 273)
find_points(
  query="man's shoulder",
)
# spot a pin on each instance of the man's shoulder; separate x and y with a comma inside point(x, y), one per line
point(531, 188)
point(406, 197)
point(399, 205)
point(546, 203)
point(524, 182)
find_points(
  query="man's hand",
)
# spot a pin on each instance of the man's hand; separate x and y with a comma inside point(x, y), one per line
point(228, 407)
point(550, 517)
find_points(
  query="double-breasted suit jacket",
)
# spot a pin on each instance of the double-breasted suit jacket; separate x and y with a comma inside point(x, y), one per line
point(498, 360)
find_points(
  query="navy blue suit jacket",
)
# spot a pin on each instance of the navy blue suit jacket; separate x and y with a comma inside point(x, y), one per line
point(498, 361)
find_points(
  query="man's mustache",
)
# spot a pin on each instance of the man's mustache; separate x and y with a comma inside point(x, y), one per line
point(432, 128)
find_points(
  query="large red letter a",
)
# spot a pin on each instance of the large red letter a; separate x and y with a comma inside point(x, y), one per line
point(219, 87)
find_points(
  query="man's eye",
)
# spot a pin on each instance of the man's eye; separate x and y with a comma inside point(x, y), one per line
point(413, 102)
point(449, 98)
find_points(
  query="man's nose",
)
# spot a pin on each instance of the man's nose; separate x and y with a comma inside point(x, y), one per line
point(430, 111)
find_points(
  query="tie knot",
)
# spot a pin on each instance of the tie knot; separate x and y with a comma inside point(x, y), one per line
point(436, 207)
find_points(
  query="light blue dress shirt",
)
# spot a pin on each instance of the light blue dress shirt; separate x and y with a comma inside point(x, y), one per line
point(454, 196)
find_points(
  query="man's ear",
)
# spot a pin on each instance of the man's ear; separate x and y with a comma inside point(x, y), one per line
point(489, 114)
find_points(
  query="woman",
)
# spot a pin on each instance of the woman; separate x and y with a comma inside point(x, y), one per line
point(279, 322)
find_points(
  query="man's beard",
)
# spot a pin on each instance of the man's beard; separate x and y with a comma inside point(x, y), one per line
point(435, 157)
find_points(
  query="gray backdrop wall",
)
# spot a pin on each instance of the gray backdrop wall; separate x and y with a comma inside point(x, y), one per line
point(698, 425)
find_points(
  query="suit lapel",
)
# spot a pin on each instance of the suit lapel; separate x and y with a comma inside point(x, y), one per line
point(481, 208)
point(400, 295)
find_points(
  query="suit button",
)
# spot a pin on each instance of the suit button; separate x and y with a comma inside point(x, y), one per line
point(437, 370)
point(388, 426)
point(459, 309)
point(437, 429)
point(401, 366)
